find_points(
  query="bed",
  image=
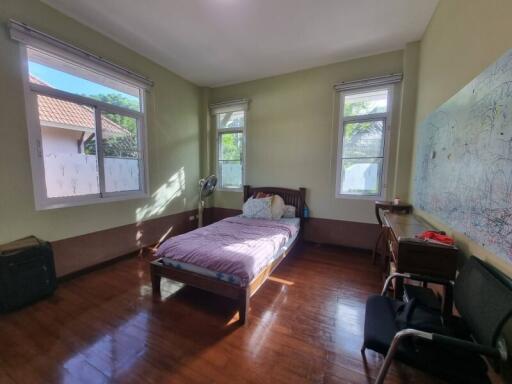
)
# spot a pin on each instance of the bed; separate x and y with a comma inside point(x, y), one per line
point(232, 257)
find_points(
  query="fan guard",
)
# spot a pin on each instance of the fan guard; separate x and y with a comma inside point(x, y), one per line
point(206, 188)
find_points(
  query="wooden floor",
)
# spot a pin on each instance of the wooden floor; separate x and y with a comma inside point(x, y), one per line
point(305, 326)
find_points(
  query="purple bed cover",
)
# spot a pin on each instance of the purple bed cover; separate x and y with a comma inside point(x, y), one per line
point(238, 246)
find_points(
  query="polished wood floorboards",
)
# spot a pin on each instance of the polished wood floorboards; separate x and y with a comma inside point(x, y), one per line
point(305, 326)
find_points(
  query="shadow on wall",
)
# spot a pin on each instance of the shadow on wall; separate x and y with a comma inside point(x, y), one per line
point(162, 197)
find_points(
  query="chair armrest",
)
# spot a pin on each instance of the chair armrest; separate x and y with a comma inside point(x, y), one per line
point(414, 276)
point(452, 341)
point(468, 346)
point(404, 333)
point(499, 353)
point(389, 279)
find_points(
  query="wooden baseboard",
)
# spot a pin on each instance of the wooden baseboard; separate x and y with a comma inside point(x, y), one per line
point(87, 251)
point(82, 254)
point(95, 267)
point(348, 234)
point(214, 214)
point(338, 232)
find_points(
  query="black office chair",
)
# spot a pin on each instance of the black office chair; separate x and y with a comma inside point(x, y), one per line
point(451, 349)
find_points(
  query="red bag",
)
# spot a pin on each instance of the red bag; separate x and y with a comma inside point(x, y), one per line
point(439, 237)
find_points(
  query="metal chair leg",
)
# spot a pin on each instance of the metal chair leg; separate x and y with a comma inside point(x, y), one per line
point(393, 348)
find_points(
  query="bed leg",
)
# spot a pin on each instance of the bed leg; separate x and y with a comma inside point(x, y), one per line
point(155, 282)
point(244, 307)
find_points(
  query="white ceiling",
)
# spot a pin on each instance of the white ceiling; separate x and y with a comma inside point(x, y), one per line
point(218, 42)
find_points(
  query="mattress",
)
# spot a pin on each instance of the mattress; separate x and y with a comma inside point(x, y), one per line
point(219, 230)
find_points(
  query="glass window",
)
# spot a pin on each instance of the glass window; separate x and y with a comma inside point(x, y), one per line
point(230, 159)
point(231, 120)
point(230, 154)
point(67, 130)
point(58, 73)
point(74, 163)
point(366, 103)
point(363, 139)
point(361, 157)
point(361, 176)
point(120, 152)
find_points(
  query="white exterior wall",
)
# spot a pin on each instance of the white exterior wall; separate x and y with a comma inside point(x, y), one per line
point(59, 140)
point(69, 173)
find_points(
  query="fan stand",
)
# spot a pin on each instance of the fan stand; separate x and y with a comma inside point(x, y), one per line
point(200, 209)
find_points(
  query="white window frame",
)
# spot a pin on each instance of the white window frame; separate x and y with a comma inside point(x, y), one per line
point(30, 90)
point(216, 110)
point(387, 117)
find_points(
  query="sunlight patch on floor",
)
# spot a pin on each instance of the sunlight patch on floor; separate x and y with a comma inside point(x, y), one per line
point(110, 355)
point(280, 281)
point(264, 325)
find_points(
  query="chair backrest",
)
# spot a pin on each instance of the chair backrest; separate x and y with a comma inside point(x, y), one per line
point(483, 299)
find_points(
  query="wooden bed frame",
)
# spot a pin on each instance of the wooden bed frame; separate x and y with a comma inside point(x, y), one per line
point(235, 292)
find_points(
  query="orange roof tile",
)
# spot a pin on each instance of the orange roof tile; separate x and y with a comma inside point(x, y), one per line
point(76, 116)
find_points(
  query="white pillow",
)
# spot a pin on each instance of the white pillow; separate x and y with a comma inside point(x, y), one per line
point(289, 211)
point(277, 207)
point(258, 208)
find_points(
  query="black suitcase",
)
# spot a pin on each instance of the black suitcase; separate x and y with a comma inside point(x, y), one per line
point(27, 272)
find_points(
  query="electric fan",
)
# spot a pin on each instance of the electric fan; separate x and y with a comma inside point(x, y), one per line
point(206, 188)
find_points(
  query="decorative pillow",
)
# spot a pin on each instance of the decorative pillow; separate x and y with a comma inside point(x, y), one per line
point(262, 195)
point(258, 208)
point(289, 211)
point(277, 207)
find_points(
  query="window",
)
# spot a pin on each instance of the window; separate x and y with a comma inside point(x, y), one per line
point(86, 131)
point(362, 143)
point(230, 127)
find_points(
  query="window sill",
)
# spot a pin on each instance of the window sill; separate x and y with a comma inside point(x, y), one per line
point(48, 204)
point(230, 189)
point(361, 197)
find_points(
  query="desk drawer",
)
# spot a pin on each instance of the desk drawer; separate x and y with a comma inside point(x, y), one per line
point(415, 257)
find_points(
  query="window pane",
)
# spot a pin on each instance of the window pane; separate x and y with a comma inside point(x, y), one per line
point(231, 120)
point(230, 173)
point(361, 176)
point(121, 152)
point(363, 139)
point(366, 103)
point(231, 146)
point(46, 69)
point(230, 159)
point(68, 147)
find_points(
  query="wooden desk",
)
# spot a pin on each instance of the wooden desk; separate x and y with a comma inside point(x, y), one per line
point(413, 255)
point(389, 206)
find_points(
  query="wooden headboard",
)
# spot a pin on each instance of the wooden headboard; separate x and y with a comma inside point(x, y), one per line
point(295, 197)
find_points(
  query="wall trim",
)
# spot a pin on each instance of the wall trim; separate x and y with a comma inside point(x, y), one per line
point(213, 214)
point(348, 234)
point(96, 267)
point(78, 255)
point(83, 252)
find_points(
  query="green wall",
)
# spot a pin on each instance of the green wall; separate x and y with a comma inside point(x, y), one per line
point(174, 110)
point(292, 133)
point(462, 39)
point(405, 139)
point(292, 121)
